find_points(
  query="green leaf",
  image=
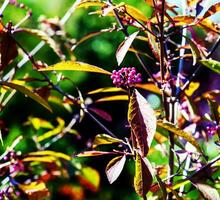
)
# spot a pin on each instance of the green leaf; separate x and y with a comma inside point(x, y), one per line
point(142, 120)
point(105, 139)
point(176, 131)
point(124, 47)
point(29, 93)
point(114, 168)
point(143, 176)
point(75, 66)
point(214, 65)
point(207, 191)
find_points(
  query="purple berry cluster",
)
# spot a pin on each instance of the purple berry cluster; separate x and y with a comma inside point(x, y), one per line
point(126, 76)
point(212, 129)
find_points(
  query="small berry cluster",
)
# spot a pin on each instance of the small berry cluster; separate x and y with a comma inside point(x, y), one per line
point(126, 76)
point(212, 129)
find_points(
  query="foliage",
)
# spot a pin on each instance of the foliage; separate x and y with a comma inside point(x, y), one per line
point(153, 118)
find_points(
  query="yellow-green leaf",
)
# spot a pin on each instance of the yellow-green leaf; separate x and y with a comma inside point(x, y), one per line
point(148, 87)
point(179, 132)
point(94, 153)
point(90, 178)
point(53, 132)
point(114, 168)
point(142, 120)
point(29, 93)
point(105, 139)
point(75, 66)
point(113, 98)
point(143, 176)
point(214, 65)
point(107, 89)
point(38, 123)
point(47, 159)
point(50, 153)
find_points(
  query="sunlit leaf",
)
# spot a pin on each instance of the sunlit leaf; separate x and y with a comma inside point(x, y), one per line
point(55, 131)
point(50, 153)
point(148, 87)
point(124, 47)
point(86, 4)
point(105, 139)
point(38, 123)
point(207, 191)
point(142, 120)
point(113, 98)
point(114, 168)
point(46, 159)
point(35, 190)
point(193, 86)
point(94, 153)
point(162, 186)
point(45, 37)
point(212, 10)
point(143, 176)
point(75, 66)
point(29, 93)
point(107, 89)
point(179, 132)
point(214, 65)
point(90, 178)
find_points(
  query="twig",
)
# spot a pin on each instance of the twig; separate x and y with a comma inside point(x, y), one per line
point(198, 68)
point(124, 29)
point(100, 124)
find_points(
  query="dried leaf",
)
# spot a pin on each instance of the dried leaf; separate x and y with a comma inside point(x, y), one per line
point(29, 93)
point(114, 168)
point(179, 132)
point(124, 47)
point(75, 66)
point(212, 10)
point(214, 65)
point(94, 153)
point(143, 176)
point(35, 190)
point(105, 139)
point(207, 191)
point(142, 120)
point(113, 98)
